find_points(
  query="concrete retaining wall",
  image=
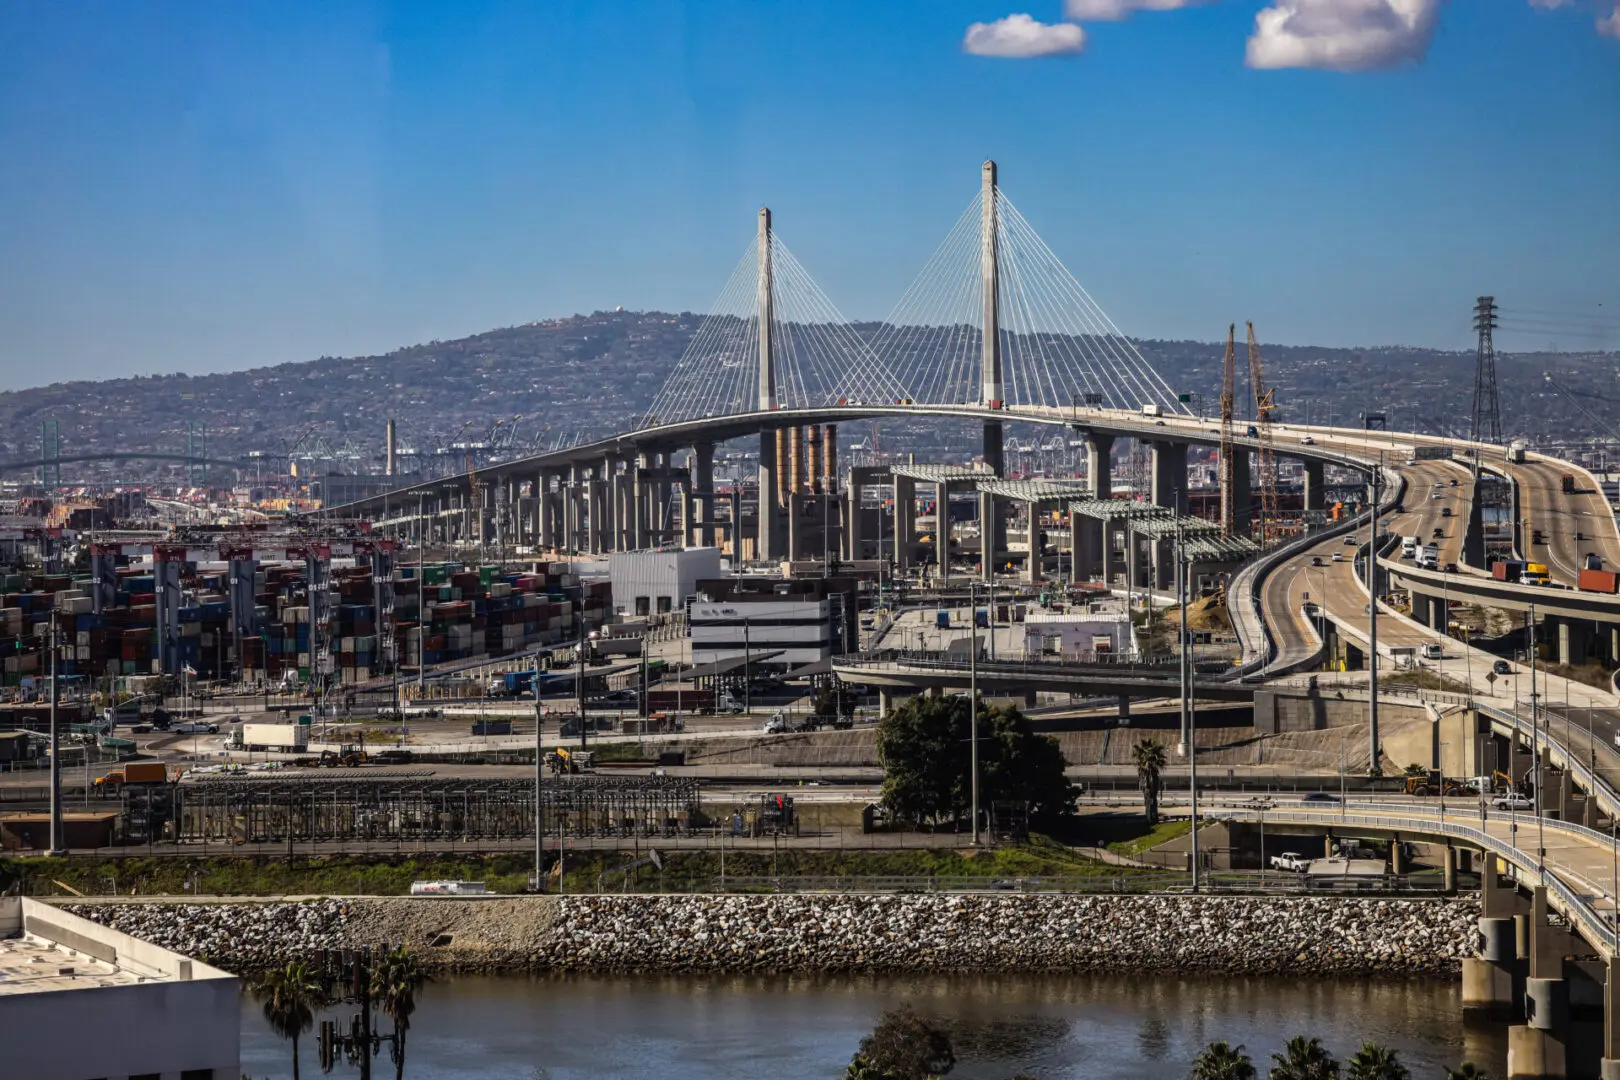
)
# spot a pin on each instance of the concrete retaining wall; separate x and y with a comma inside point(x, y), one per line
point(840, 932)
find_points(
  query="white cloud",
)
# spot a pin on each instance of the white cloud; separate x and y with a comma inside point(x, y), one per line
point(1113, 10)
point(1019, 36)
point(1609, 25)
point(1342, 35)
point(1548, 5)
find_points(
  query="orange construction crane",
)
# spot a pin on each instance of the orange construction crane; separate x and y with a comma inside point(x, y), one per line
point(1228, 446)
point(1265, 403)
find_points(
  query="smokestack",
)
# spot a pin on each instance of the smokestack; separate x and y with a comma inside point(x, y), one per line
point(781, 465)
point(796, 468)
point(815, 459)
point(829, 457)
point(390, 463)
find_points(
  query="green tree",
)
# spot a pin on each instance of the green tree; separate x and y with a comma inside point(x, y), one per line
point(831, 702)
point(289, 996)
point(926, 756)
point(904, 1046)
point(1467, 1071)
point(1222, 1061)
point(862, 1069)
point(1303, 1059)
point(395, 978)
point(1148, 756)
point(1375, 1062)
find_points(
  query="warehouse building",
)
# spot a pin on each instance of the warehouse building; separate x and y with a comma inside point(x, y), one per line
point(786, 624)
point(152, 1012)
point(659, 581)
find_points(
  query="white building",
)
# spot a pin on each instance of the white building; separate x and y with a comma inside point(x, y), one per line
point(1078, 636)
point(786, 633)
point(660, 580)
point(80, 1001)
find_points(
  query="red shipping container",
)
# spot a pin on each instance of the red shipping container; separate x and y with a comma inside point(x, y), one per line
point(1603, 581)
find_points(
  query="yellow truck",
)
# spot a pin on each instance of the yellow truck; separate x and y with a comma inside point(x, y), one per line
point(131, 772)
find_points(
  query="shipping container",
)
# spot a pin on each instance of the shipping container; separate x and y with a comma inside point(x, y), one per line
point(1603, 581)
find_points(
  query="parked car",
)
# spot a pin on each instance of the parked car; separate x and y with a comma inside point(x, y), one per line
point(1292, 861)
point(1513, 801)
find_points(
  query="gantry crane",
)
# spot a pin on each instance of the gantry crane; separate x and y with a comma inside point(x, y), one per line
point(1265, 403)
point(1228, 445)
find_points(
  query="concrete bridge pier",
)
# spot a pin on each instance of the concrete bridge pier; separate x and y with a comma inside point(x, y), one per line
point(1610, 1065)
point(1169, 469)
point(1539, 1048)
point(700, 466)
point(1100, 464)
point(543, 511)
point(766, 518)
point(1315, 485)
point(640, 497)
point(992, 534)
point(905, 521)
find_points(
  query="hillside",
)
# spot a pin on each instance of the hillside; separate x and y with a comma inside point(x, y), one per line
point(588, 375)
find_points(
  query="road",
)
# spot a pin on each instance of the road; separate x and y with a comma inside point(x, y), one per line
point(1560, 517)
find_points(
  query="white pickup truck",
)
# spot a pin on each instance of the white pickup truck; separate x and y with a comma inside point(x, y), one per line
point(1291, 861)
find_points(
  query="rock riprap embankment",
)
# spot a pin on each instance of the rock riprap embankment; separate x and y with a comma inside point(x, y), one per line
point(851, 932)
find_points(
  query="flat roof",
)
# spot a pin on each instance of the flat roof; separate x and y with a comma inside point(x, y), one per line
point(31, 965)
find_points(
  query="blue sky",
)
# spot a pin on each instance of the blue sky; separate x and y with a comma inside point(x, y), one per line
point(201, 187)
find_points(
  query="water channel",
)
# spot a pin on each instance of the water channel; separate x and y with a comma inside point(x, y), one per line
point(1054, 1028)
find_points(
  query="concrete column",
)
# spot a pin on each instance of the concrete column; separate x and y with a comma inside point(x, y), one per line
point(1397, 858)
point(596, 496)
point(1032, 566)
point(542, 511)
point(1106, 527)
point(701, 468)
point(640, 511)
point(1169, 469)
point(852, 516)
point(813, 462)
point(1242, 494)
point(1611, 1020)
point(1100, 465)
point(989, 534)
point(1132, 542)
point(942, 529)
point(1487, 980)
point(1448, 871)
point(905, 520)
point(765, 546)
point(1538, 1048)
point(689, 529)
point(1315, 485)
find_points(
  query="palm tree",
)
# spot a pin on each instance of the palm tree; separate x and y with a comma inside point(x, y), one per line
point(1222, 1061)
point(1467, 1071)
point(1374, 1062)
point(1303, 1059)
point(395, 978)
point(290, 995)
point(1149, 758)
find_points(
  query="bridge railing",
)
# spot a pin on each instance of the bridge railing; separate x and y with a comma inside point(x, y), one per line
point(1607, 798)
point(1577, 908)
point(1100, 663)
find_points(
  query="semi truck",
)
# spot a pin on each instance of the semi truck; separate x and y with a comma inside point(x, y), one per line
point(688, 700)
point(275, 738)
point(131, 772)
point(1534, 574)
point(511, 684)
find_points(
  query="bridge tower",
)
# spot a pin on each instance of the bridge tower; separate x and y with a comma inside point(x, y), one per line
point(991, 391)
point(767, 519)
point(1487, 418)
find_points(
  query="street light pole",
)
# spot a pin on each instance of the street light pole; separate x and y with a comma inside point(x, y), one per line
point(539, 774)
point(421, 600)
point(973, 704)
point(57, 846)
point(1373, 767)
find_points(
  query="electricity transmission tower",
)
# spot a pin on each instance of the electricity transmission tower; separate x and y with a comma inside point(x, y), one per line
point(1487, 422)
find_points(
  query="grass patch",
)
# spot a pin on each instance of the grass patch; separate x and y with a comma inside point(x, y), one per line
point(1423, 679)
point(509, 873)
point(1162, 833)
point(1590, 674)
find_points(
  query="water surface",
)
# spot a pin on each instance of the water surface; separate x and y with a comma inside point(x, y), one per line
point(1054, 1028)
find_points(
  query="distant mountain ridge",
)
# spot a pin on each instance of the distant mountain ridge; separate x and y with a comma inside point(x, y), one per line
point(590, 375)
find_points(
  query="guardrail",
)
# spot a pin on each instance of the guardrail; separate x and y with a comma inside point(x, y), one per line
point(1596, 929)
point(1608, 799)
point(1127, 881)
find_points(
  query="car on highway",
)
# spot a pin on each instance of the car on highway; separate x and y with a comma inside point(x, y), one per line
point(1316, 560)
point(1338, 556)
point(1450, 568)
point(1350, 540)
point(1291, 861)
point(1319, 797)
point(1501, 667)
point(1432, 650)
point(195, 727)
point(1513, 801)
point(1306, 440)
point(1433, 495)
point(1453, 481)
